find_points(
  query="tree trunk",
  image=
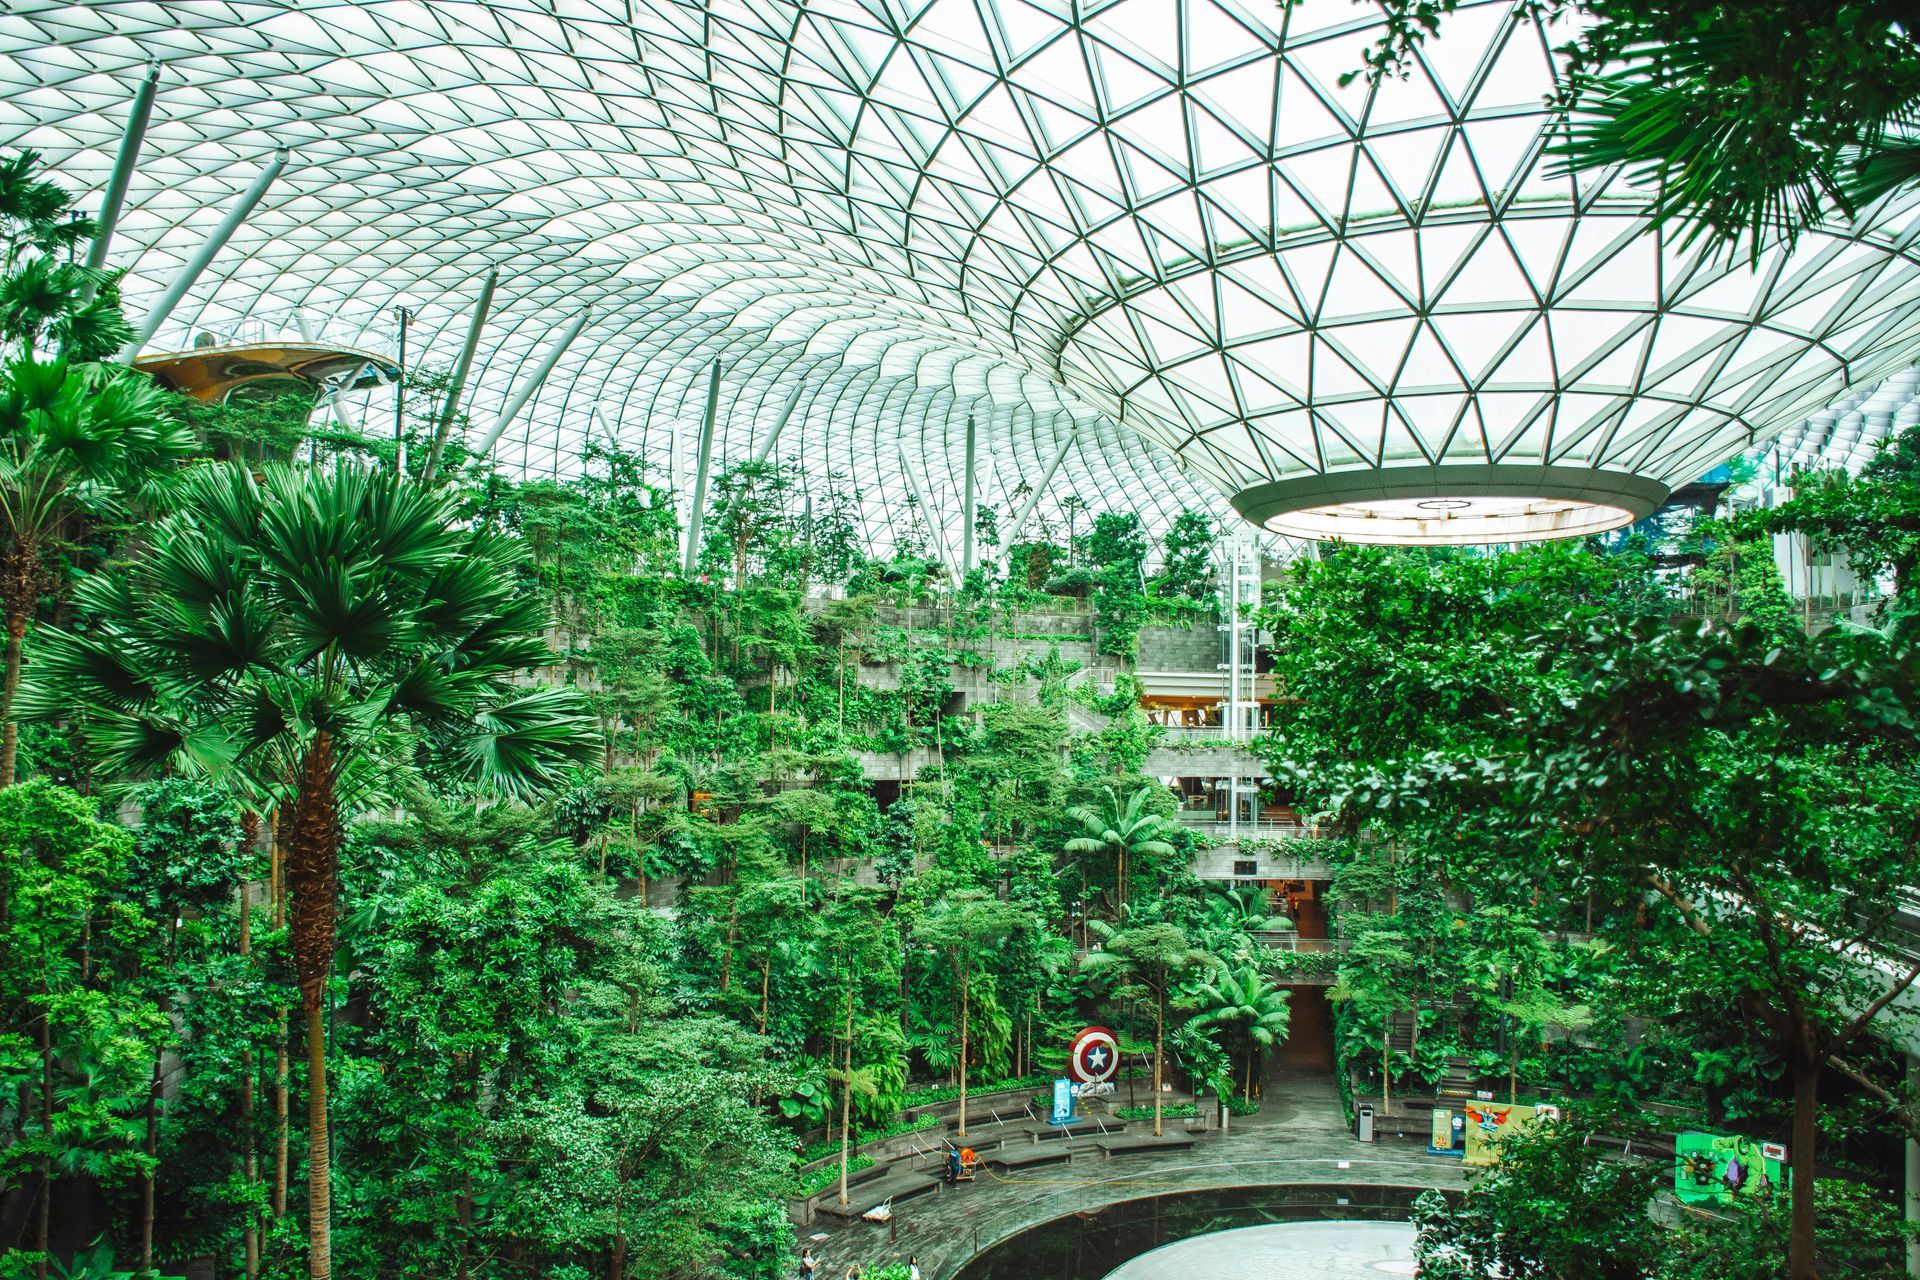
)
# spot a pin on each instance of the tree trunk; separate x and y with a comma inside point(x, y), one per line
point(1801, 1263)
point(319, 1171)
point(726, 957)
point(249, 1169)
point(1159, 1046)
point(617, 1265)
point(846, 1102)
point(766, 973)
point(962, 1130)
point(1386, 1068)
point(152, 1148)
point(44, 1216)
point(463, 1212)
point(249, 1156)
point(281, 1119)
point(277, 891)
point(313, 878)
point(10, 688)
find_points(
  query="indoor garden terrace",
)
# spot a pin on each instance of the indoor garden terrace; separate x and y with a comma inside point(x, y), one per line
point(959, 639)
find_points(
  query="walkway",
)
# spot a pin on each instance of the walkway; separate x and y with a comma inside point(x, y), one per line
point(1299, 1136)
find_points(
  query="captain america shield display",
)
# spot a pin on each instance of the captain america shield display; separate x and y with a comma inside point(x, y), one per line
point(1093, 1056)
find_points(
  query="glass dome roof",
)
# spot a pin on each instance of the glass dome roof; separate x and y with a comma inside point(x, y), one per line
point(1158, 239)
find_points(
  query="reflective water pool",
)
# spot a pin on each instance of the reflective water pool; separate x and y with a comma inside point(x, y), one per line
point(1090, 1246)
point(1283, 1251)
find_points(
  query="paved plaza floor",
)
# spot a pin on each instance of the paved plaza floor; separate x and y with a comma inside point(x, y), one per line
point(1299, 1136)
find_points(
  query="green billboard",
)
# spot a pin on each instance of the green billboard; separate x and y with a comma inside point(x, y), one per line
point(1717, 1168)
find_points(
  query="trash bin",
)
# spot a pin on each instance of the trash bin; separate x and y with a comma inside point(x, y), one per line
point(1363, 1121)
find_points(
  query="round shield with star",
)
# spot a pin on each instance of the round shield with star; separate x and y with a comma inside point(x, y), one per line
point(1093, 1056)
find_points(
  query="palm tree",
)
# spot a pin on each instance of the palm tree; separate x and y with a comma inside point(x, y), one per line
point(310, 632)
point(1257, 1010)
point(1122, 829)
point(77, 440)
point(75, 443)
point(1234, 913)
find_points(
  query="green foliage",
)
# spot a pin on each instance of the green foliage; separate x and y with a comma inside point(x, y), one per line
point(1248, 1008)
point(1186, 568)
point(188, 850)
point(1748, 119)
point(82, 1026)
point(1116, 553)
point(1555, 1207)
point(1872, 519)
point(1179, 1111)
point(820, 1179)
point(1401, 652)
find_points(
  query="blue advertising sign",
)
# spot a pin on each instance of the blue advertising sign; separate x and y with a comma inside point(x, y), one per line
point(1063, 1092)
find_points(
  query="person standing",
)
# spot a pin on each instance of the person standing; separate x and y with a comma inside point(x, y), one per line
point(807, 1265)
point(913, 1267)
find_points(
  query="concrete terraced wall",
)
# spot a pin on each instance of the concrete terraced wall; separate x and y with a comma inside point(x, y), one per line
point(1183, 648)
point(1203, 762)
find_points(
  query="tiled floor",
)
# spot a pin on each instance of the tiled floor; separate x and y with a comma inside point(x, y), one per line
point(1298, 1137)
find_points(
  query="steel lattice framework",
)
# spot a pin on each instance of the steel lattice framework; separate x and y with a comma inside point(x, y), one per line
point(1158, 239)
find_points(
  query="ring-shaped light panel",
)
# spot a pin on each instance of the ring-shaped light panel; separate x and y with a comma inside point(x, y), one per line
point(1158, 234)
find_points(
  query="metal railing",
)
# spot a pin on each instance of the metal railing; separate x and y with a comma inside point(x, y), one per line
point(1287, 940)
point(1249, 828)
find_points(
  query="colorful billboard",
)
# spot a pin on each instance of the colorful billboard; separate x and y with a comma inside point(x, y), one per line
point(1489, 1122)
point(1715, 1168)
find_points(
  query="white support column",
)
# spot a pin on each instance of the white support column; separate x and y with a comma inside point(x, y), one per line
point(967, 507)
point(1233, 694)
point(532, 385)
point(765, 450)
point(309, 334)
point(209, 248)
point(1033, 499)
point(123, 165)
point(934, 529)
point(697, 514)
point(461, 368)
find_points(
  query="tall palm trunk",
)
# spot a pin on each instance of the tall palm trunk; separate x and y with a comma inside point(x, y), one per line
point(313, 879)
